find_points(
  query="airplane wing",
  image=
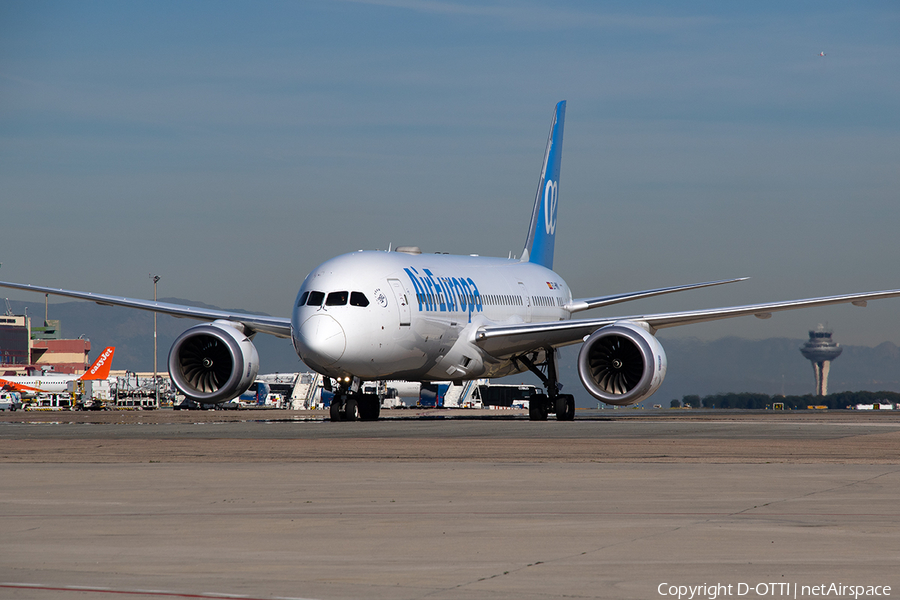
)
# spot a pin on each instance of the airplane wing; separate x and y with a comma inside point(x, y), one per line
point(580, 304)
point(277, 326)
point(18, 387)
point(505, 340)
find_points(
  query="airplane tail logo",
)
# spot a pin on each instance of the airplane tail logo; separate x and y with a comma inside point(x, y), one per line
point(542, 231)
point(100, 368)
point(551, 190)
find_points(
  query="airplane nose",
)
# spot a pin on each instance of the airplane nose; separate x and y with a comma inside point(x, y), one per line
point(323, 338)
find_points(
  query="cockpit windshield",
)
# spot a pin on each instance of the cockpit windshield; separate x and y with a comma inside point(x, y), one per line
point(358, 299)
point(315, 299)
point(336, 299)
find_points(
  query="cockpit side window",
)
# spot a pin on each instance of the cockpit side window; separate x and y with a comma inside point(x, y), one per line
point(336, 299)
point(358, 299)
point(315, 299)
point(302, 299)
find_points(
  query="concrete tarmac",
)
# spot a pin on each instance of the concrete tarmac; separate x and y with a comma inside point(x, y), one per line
point(207, 506)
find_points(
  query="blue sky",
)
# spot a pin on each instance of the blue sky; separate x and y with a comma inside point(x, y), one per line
point(232, 146)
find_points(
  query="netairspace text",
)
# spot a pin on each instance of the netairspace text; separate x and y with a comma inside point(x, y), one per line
point(712, 591)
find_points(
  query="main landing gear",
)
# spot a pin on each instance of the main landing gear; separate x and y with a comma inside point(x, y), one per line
point(349, 404)
point(541, 405)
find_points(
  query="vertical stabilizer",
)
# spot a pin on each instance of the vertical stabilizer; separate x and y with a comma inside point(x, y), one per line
point(100, 368)
point(542, 231)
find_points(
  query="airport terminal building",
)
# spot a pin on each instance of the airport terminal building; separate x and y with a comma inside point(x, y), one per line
point(25, 350)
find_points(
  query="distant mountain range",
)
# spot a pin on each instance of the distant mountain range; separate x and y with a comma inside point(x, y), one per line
point(731, 364)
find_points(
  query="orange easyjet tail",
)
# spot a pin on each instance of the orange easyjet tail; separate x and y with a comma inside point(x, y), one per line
point(100, 368)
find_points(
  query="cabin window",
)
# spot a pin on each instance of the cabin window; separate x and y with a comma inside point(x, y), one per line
point(315, 298)
point(358, 299)
point(336, 299)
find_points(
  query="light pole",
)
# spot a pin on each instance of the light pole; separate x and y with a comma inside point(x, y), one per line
point(155, 279)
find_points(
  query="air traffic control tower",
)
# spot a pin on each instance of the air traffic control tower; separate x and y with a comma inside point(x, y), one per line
point(820, 351)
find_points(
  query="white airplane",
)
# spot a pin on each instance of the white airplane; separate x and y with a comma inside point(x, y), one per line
point(370, 316)
point(58, 383)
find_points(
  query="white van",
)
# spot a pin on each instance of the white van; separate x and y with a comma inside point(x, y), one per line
point(10, 401)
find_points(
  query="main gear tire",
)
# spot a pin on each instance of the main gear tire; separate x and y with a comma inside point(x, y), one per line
point(369, 407)
point(538, 407)
point(335, 410)
point(351, 410)
point(565, 407)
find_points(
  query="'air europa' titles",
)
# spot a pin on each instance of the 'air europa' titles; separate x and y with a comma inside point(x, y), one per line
point(445, 294)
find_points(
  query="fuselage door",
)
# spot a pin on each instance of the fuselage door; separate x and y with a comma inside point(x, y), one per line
point(526, 301)
point(402, 302)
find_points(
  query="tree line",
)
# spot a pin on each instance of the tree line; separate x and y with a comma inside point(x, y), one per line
point(747, 400)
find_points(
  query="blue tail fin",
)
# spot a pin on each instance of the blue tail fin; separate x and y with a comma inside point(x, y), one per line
point(542, 232)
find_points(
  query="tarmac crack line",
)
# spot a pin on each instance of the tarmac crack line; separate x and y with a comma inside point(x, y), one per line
point(849, 484)
point(675, 529)
point(560, 559)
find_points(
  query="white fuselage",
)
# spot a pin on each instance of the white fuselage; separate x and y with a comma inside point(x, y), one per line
point(393, 315)
point(48, 384)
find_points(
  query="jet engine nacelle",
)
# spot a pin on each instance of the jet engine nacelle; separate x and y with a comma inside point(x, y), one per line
point(621, 364)
point(213, 362)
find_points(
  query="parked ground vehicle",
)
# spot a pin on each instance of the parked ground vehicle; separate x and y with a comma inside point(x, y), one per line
point(11, 401)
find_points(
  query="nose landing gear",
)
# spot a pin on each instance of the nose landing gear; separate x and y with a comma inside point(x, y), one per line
point(349, 404)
